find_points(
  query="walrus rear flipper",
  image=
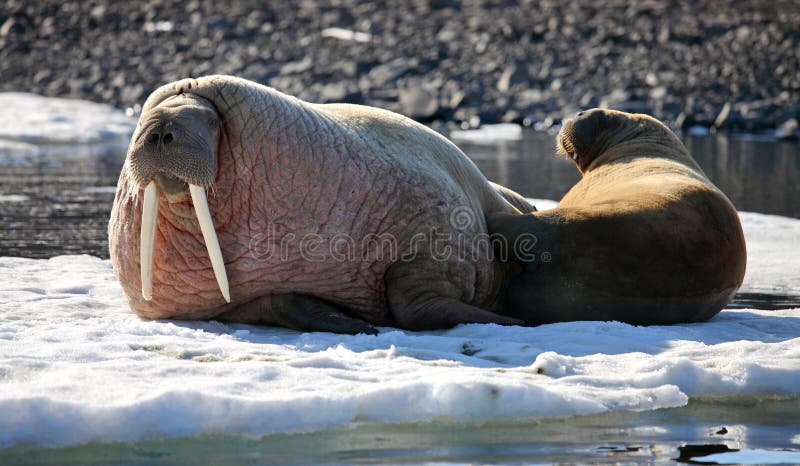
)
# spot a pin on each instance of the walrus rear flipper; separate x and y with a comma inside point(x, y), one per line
point(419, 302)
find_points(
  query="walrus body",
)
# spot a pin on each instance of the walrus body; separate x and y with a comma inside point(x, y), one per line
point(643, 238)
point(328, 217)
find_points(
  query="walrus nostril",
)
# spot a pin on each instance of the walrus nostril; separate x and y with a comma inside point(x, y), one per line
point(167, 138)
point(153, 138)
point(580, 113)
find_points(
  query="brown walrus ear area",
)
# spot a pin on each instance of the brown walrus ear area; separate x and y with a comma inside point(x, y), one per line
point(583, 138)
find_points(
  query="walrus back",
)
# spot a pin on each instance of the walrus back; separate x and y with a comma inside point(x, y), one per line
point(422, 148)
point(666, 210)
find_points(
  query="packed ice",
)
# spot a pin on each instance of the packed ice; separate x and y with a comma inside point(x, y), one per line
point(76, 365)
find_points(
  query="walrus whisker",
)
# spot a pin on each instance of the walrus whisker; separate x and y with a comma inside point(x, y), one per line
point(148, 236)
point(564, 147)
point(200, 202)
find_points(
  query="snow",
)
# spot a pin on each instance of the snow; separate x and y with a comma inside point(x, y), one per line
point(77, 366)
point(543, 204)
point(773, 254)
point(489, 134)
point(14, 198)
point(28, 120)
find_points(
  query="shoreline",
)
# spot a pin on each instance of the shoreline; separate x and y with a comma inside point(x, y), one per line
point(718, 65)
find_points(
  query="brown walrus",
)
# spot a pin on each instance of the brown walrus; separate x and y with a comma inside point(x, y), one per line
point(644, 238)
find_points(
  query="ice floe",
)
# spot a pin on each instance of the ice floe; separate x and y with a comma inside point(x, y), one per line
point(27, 120)
point(76, 365)
point(489, 134)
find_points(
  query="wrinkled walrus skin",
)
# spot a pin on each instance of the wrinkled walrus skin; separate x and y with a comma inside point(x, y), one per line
point(643, 238)
point(274, 168)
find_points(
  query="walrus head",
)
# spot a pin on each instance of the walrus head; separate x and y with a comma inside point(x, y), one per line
point(174, 152)
point(175, 144)
point(593, 132)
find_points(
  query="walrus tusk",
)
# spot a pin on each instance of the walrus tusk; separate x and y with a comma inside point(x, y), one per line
point(210, 236)
point(148, 236)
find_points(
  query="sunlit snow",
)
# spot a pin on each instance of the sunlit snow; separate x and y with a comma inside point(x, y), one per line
point(76, 365)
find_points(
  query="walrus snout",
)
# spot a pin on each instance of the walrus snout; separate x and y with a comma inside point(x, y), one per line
point(173, 153)
point(175, 145)
point(159, 140)
point(161, 136)
point(564, 144)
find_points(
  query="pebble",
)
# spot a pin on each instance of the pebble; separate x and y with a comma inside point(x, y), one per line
point(486, 61)
point(419, 103)
point(789, 130)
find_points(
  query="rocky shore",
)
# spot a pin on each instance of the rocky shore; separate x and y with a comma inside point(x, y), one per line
point(723, 64)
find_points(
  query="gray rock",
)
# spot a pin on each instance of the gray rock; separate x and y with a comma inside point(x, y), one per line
point(388, 72)
point(419, 103)
point(788, 130)
point(512, 76)
point(296, 67)
point(724, 115)
point(13, 25)
point(341, 91)
point(132, 93)
point(545, 58)
point(730, 117)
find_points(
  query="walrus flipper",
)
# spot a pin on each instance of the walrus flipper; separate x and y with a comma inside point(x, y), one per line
point(419, 302)
point(298, 312)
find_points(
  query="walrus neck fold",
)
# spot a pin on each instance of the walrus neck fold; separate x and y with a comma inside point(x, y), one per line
point(663, 148)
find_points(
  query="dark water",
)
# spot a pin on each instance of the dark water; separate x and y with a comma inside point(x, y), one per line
point(650, 437)
point(758, 175)
point(57, 201)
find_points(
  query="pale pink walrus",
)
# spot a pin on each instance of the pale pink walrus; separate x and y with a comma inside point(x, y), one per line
point(237, 202)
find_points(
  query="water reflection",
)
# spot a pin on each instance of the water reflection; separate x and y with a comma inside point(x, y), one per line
point(757, 175)
point(628, 437)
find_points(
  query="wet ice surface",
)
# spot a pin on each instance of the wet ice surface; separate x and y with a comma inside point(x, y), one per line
point(77, 366)
point(755, 456)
